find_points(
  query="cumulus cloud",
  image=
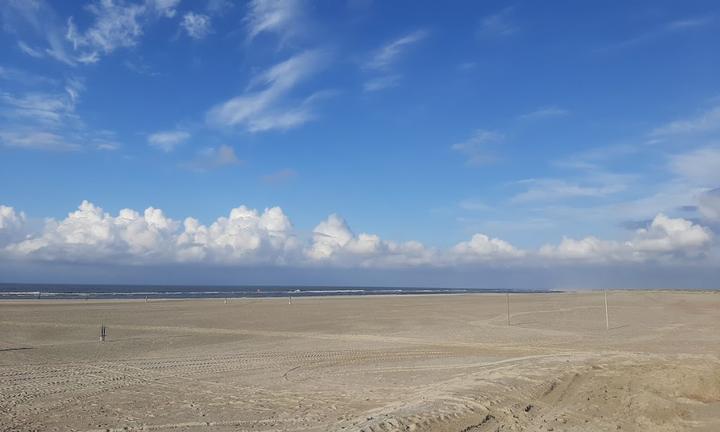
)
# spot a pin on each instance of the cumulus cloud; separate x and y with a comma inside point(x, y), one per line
point(334, 242)
point(89, 234)
point(263, 106)
point(245, 236)
point(663, 236)
point(482, 247)
point(667, 234)
point(248, 236)
point(168, 140)
point(197, 26)
point(12, 225)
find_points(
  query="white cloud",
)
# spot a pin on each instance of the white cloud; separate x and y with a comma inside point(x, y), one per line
point(334, 242)
point(244, 236)
point(47, 120)
point(40, 19)
point(49, 109)
point(168, 140)
point(263, 106)
point(382, 83)
point(388, 54)
point(166, 8)
point(248, 236)
point(281, 17)
point(556, 190)
point(701, 166)
point(28, 139)
point(197, 26)
point(669, 235)
point(482, 247)
point(213, 158)
point(12, 225)
point(590, 248)
point(476, 148)
point(663, 236)
point(705, 122)
point(116, 25)
point(89, 234)
point(27, 49)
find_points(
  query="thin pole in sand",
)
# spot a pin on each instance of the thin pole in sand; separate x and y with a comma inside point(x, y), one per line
point(507, 298)
point(607, 318)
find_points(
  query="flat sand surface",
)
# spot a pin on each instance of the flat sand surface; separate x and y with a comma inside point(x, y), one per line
point(387, 363)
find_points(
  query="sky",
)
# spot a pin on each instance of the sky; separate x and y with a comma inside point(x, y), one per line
point(487, 143)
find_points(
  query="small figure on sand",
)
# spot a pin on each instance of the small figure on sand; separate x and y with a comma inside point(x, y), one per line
point(103, 332)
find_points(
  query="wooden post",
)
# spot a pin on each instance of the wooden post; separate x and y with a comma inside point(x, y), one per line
point(507, 298)
point(607, 318)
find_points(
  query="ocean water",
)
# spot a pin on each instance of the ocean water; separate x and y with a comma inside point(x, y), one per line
point(70, 291)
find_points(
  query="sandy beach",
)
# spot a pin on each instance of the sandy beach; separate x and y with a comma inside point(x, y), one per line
point(385, 363)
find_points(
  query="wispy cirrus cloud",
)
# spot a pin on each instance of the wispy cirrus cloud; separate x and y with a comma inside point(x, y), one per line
point(382, 83)
point(280, 17)
point(549, 189)
point(384, 59)
point(667, 29)
point(265, 105)
point(700, 166)
point(543, 113)
point(478, 147)
point(46, 118)
point(708, 121)
point(115, 25)
point(497, 25)
point(168, 140)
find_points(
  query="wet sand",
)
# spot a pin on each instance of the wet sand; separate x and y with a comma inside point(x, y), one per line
point(387, 363)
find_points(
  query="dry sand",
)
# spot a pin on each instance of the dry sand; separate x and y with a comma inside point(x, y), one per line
point(406, 363)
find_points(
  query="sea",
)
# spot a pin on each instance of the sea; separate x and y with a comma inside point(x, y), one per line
point(100, 291)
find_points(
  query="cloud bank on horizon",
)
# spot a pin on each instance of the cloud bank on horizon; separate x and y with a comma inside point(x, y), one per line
point(249, 237)
point(456, 141)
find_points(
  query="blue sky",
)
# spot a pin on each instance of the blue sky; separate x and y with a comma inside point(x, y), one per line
point(400, 136)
